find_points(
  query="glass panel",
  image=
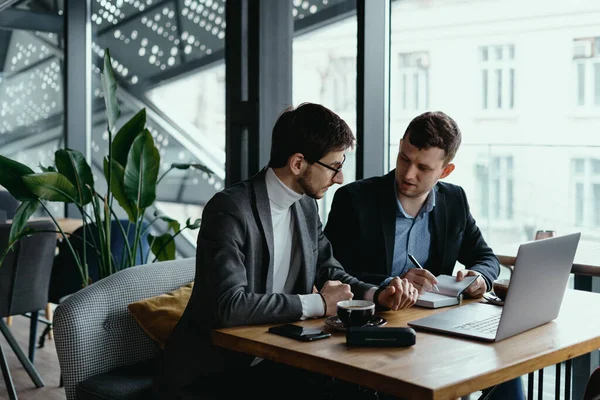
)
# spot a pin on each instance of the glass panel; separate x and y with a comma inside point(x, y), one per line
point(496, 204)
point(579, 204)
point(597, 84)
point(31, 101)
point(321, 57)
point(169, 59)
point(484, 87)
point(580, 84)
point(596, 204)
point(484, 54)
point(416, 90)
point(498, 52)
point(595, 166)
point(499, 88)
point(461, 49)
point(482, 177)
point(511, 89)
point(509, 198)
point(404, 92)
point(579, 165)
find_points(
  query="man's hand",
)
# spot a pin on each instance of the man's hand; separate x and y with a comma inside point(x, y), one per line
point(398, 295)
point(334, 291)
point(421, 279)
point(477, 288)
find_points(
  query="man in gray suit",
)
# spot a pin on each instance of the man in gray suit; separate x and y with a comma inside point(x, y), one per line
point(260, 251)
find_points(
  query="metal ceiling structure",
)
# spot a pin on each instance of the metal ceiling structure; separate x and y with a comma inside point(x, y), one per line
point(152, 42)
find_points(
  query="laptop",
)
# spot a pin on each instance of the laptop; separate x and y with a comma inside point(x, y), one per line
point(534, 297)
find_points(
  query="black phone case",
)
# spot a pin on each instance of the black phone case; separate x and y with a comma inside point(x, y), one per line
point(279, 330)
point(380, 337)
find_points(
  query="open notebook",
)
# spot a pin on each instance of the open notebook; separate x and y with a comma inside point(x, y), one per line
point(449, 294)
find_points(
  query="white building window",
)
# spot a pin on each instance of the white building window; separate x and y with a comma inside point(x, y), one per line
point(339, 84)
point(414, 81)
point(586, 62)
point(586, 187)
point(495, 188)
point(497, 77)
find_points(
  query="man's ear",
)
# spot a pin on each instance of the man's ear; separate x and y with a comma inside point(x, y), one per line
point(447, 170)
point(296, 163)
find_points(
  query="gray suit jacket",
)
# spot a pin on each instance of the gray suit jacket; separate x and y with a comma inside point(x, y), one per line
point(234, 281)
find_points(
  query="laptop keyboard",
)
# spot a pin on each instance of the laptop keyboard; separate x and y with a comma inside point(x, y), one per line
point(486, 325)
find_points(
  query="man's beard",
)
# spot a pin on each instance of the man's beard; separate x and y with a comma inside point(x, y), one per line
point(305, 182)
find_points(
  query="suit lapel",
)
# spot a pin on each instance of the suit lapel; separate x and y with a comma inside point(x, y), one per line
point(305, 275)
point(264, 216)
point(440, 216)
point(387, 214)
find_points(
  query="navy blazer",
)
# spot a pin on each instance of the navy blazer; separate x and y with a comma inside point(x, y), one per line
point(362, 225)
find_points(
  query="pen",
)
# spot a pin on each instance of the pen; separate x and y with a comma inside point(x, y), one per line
point(414, 261)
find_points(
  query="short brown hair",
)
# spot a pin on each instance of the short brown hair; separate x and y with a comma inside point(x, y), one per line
point(434, 129)
point(310, 129)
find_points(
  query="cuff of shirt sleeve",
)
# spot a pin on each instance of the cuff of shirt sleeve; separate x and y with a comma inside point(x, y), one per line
point(386, 282)
point(312, 306)
point(370, 293)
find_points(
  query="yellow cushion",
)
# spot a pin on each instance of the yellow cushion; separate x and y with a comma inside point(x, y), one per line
point(158, 315)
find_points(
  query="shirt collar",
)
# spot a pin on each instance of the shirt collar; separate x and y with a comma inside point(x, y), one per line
point(281, 197)
point(427, 207)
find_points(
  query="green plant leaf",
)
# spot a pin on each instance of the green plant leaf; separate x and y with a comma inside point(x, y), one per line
point(22, 215)
point(163, 246)
point(173, 224)
point(47, 169)
point(201, 167)
point(194, 225)
point(117, 187)
point(141, 171)
point(73, 165)
point(51, 186)
point(126, 135)
point(11, 174)
point(109, 84)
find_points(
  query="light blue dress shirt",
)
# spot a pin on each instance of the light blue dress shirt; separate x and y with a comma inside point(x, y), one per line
point(413, 236)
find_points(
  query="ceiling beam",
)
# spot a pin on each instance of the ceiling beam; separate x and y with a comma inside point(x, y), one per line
point(4, 4)
point(11, 19)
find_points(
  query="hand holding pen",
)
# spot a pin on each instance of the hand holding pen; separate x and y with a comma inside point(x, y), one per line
point(416, 263)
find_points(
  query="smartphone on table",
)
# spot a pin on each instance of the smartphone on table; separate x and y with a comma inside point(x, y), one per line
point(299, 332)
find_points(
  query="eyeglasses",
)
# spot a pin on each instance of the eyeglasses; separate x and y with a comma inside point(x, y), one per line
point(329, 167)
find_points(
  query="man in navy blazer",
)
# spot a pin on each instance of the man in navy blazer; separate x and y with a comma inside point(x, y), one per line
point(376, 223)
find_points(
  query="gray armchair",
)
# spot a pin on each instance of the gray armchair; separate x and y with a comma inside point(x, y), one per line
point(97, 340)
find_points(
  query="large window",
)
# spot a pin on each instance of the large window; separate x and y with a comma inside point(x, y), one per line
point(413, 80)
point(495, 188)
point(586, 60)
point(497, 77)
point(31, 99)
point(526, 97)
point(586, 188)
point(324, 72)
point(169, 58)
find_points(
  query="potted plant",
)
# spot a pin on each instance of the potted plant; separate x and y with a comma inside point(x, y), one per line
point(131, 169)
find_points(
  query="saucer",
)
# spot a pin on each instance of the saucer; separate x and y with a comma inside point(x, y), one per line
point(493, 299)
point(335, 323)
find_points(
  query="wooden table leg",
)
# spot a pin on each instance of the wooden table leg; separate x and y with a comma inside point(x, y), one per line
point(9, 321)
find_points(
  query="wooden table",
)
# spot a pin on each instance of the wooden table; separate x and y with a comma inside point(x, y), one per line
point(586, 270)
point(438, 366)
